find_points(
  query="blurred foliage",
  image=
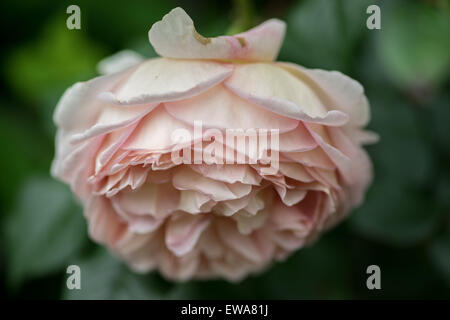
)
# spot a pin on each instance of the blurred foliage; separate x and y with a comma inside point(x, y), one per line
point(403, 226)
point(44, 230)
point(416, 48)
point(104, 277)
point(38, 72)
point(330, 43)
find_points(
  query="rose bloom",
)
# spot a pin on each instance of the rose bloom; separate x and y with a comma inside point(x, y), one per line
point(209, 220)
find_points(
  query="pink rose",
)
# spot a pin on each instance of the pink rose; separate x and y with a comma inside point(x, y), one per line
point(115, 146)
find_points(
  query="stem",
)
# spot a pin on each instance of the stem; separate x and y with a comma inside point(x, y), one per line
point(244, 16)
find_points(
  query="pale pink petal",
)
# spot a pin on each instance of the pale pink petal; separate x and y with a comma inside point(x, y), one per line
point(360, 175)
point(195, 202)
point(336, 90)
point(295, 171)
point(188, 179)
point(159, 80)
point(252, 203)
point(183, 231)
point(78, 109)
point(220, 108)
point(290, 196)
point(143, 251)
point(175, 37)
point(247, 223)
point(157, 200)
point(155, 130)
point(244, 245)
point(326, 177)
point(139, 224)
point(275, 89)
point(111, 144)
point(210, 244)
point(105, 226)
point(119, 61)
point(298, 140)
point(342, 162)
point(111, 118)
point(312, 158)
point(229, 173)
point(360, 136)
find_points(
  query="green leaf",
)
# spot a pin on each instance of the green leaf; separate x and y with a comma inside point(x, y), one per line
point(26, 148)
point(323, 34)
point(43, 231)
point(440, 255)
point(443, 190)
point(105, 277)
point(415, 43)
point(404, 151)
point(394, 213)
point(440, 112)
point(321, 271)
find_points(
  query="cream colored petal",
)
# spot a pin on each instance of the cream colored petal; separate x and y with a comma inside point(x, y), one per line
point(175, 37)
point(277, 90)
point(336, 90)
point(183, 231)
point(220, 108)
point(160, 79)
point(119, 61)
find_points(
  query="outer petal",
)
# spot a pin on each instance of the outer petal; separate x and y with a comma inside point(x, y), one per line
point(159, 80)
point(279, 91)
point(76, 110)
point(336, 90)
point(175, 37)
point(220, 108)
point(119, 61)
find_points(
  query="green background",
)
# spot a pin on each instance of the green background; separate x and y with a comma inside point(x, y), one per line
point(403, 226)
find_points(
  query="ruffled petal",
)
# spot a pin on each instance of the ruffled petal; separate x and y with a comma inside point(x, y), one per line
point(155, 130)
point(157, 200)
point(187, 179)
point(183, 231)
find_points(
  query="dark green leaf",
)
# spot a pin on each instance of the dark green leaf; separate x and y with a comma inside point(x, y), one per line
point(415, 43)
point(40, 71)
point(44, 230)
point(323, 33)
point(395, 214)
point(440, 255)
point(105, 277)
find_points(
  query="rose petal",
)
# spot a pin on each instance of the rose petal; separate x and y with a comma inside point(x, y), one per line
point(159, 80)
point(183, 231)
point(119, 61)
point(336, 90)
point(219, 108)
point(279, 91)
point(175, 37)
